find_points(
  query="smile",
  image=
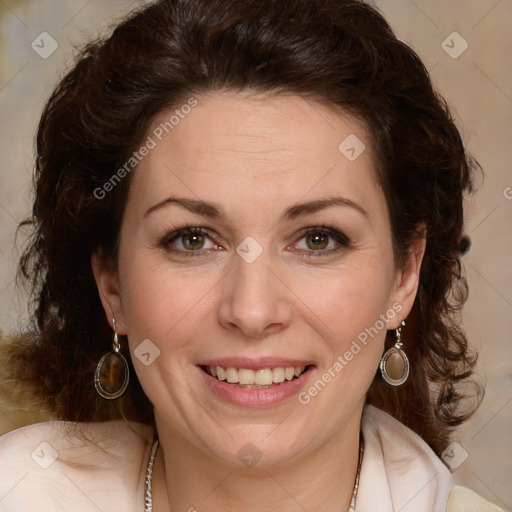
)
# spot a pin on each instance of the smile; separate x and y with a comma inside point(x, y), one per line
point(255, 379)
point(255, 382)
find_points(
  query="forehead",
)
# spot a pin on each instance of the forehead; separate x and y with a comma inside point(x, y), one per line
point(271, 148)
point(253, 123)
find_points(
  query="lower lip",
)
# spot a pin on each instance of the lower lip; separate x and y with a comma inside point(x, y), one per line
point(265, 397)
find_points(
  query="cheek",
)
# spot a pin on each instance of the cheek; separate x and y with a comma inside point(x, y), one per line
point(348, 299)
point(350, 311)
point(161, 303)
point(351, 317)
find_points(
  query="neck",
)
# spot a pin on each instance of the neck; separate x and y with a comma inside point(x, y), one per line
point(322, 479)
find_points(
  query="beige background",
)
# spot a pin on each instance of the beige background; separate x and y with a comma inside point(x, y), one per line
point(477, 84)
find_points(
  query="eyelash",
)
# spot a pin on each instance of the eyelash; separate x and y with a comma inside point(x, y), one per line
point(339, 237)
point(343, 241)
point(168, 239)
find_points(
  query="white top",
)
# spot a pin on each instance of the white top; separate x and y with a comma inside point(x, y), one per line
point(62, 466)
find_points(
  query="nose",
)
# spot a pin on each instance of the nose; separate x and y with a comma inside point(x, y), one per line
point(255, 303)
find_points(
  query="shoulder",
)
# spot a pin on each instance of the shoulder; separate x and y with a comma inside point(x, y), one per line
point(399, 445)
point(62, 466)
point(465, 500)
point(399, 468)
point(408, 474)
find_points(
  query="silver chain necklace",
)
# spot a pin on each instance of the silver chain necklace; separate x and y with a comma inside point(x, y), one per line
point(148, 491)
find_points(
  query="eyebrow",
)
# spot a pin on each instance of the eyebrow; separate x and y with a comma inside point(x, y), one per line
point(213, 211)
point(196, 206)
point(314, 206)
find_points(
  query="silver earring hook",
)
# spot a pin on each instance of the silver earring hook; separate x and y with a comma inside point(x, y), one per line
point(398, 331)
point(115, 342)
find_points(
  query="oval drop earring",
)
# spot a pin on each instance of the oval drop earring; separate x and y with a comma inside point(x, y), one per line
point(394, 364)
point(112, 372)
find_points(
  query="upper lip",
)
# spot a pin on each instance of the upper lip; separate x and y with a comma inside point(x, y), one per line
point(255, 364)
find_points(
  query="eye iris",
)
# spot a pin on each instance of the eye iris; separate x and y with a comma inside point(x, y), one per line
point(317, 241)
point(193, 241)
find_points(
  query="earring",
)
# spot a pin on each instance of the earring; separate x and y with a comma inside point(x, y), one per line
point(394, 365)
point(112, 372)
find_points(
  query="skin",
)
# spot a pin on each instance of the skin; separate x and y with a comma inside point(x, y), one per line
point(254, 156)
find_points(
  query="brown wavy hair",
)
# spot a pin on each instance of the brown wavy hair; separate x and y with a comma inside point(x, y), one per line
point(338, 52)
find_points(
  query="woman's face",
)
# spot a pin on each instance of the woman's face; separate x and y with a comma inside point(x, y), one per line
point(256, 237)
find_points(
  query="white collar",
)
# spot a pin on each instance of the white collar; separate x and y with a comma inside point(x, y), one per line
point(399, 472)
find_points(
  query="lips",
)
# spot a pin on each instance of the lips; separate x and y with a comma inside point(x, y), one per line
point(255, 383)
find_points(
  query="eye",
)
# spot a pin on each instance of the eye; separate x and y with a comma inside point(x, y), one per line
point(189, 240)
point(193, 241)
point(319, 241)
point(316, 241)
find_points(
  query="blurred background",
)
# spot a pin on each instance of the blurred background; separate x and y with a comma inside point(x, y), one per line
point(466, 45)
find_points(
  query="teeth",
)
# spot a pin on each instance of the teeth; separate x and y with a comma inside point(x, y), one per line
point(289, 373)
point(263, 377)
point(250, 378)
point(245, 376)
point(278, 375)
point(231, 375)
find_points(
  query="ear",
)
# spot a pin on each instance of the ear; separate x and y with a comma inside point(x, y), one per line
point(107, 281)
point(407, 279)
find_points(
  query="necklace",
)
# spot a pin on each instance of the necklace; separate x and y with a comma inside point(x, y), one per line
point(148, 492)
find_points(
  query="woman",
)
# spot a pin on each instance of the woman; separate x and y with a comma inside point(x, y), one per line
point(246, 265)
